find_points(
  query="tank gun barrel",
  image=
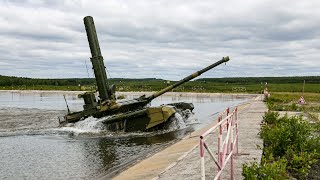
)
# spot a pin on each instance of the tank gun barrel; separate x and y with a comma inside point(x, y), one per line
point(188, 78)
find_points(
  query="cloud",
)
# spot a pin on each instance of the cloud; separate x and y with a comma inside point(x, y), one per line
point(161, 39)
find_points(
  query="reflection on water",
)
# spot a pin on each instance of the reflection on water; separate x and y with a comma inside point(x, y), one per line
point(33, 147)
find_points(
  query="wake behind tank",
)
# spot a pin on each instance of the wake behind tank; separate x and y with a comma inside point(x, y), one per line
point(126, 115)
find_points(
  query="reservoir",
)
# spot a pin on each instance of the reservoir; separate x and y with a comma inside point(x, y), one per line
point(33, 146)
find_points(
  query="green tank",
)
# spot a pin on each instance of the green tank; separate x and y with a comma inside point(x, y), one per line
point(126, 115)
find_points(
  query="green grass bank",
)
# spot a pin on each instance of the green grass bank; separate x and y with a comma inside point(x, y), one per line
point(207, 85)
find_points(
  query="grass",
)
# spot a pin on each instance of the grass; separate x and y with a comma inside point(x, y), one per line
point(291, 144)
point(44, 87)
point(288, 102)
point(291, 148)
point(293, 97)
point(192, 86)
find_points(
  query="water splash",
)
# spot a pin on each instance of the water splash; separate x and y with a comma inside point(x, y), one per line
point(181, 120)
point(95, 127)
point(178, 122)
point(190, 118)
point(89, 125)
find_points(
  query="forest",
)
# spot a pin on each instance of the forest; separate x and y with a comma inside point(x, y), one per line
point(234, 84)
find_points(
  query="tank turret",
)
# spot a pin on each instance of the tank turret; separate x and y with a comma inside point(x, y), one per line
point(125, 114)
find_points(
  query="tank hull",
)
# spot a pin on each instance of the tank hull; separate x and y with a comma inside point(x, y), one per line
point(145, 119)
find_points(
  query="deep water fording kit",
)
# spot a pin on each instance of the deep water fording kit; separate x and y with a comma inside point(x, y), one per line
point(126, 115)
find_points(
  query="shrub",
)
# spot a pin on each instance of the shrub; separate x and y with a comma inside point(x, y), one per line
point(287, 133)
point(294, 107)
point(265, 170)
point(300, 164)
point(270, 117)
point(291, 145)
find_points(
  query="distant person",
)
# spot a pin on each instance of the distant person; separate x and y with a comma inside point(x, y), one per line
point(266, 94)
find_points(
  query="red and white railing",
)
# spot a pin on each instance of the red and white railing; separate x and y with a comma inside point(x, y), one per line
point(228, 127)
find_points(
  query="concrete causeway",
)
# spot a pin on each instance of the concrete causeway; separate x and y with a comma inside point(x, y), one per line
point(182, 160)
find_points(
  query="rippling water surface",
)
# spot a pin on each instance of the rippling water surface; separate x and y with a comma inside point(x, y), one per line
point(32, 145)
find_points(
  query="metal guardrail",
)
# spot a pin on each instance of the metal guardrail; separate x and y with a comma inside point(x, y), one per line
point(226, 146)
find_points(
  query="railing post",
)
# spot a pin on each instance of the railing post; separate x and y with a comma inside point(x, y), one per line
point(231, 163)
point(237, 131)
point(228, 125)
point(203, 173)
point(224, 146)
point(219, 146)
point(231, 146)
point(219, 139)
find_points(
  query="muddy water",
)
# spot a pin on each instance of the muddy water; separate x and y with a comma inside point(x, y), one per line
point(32, 145)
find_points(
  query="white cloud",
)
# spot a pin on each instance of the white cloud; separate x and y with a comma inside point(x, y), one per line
point(162, 39)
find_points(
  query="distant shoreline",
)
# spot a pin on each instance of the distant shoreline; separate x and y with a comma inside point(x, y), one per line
point(136, 93)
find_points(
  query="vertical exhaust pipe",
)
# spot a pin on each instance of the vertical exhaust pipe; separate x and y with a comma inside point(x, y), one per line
point(97, 59)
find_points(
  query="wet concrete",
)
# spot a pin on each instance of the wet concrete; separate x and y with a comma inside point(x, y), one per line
point(182, 160)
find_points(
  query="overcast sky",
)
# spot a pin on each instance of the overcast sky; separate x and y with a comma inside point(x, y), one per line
point(161, 39)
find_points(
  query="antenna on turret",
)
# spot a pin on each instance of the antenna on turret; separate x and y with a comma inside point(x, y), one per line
point(65, 100)
point(85, 62)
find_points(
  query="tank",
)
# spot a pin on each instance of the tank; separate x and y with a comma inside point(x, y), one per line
point(126, 115)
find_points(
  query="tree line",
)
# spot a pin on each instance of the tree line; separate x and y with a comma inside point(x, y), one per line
point(257, 80)
point(18, 81)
